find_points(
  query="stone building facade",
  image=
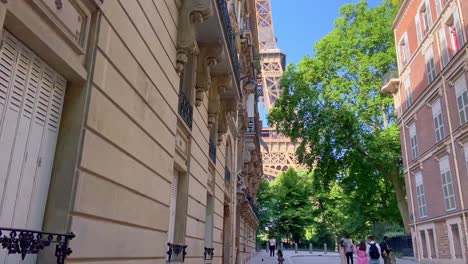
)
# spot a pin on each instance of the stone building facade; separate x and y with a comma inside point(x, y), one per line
point(431, 102)
point(126, 124)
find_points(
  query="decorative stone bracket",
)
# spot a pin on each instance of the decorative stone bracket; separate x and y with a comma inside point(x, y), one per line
point(209, 56)
point(192, 12)
point(218, 85)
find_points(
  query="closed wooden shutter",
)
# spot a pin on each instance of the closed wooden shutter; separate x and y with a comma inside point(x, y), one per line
point(31, 101)
point(172, 209)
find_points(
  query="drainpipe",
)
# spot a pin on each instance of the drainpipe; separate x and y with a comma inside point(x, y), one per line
point(457, 172)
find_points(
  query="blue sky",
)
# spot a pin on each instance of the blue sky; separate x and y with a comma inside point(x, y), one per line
point(300, 23)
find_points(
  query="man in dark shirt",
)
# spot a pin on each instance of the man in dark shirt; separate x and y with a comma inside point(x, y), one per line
point(387, 251)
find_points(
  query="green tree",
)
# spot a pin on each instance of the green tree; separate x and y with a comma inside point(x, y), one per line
point(332, 105)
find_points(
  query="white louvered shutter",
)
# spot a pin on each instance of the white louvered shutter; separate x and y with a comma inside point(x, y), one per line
point(31, 101)
point(172, 209)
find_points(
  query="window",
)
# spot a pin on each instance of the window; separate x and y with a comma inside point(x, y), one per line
point(418, 28)
point(438, 123)
point(444, 46)
point(456, 32)
point(426, 15)
point(462, 99)
point(430, 66)
point(439, 6)
point(420, 195)
point(465, 148)
point(447, 184)
point(407, 85)
point(414, 141)
point(404, 49)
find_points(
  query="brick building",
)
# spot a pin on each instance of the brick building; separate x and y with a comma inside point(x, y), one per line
point(431, 102)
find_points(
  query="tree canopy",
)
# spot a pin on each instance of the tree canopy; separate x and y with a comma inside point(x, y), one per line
point(332, 106)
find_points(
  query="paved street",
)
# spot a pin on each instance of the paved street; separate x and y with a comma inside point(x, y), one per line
point(306, 258)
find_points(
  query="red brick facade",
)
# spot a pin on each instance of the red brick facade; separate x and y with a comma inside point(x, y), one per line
point(433, 133)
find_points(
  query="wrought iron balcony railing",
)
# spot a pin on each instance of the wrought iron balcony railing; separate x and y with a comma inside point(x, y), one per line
point(185, 109)
point(24, 242)
point(209, 252)
point(212, 151)
point(227, 175)
point(230, 38)
point(176, 253)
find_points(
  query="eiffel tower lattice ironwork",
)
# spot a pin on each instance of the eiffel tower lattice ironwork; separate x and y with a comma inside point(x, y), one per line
point(280, 154)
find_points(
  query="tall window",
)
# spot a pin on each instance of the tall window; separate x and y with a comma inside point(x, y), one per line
point(456, 32)
point(439, 6)
point(430, 66)
point(462, 99)
point(418, 27)
point(407, 85)
point(447, 183)
point(414, 141)
point(465, 149)
point(444, 46)
point(426, 16)
point(404, 49)
point(438, 123)
point(420, 195)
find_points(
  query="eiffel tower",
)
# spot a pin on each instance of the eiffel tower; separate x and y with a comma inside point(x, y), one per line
point(280, 154)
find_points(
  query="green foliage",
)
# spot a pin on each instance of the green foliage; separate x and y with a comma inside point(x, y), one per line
point(332, 106)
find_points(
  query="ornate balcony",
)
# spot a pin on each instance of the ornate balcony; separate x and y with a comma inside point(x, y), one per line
point(185, 109)
point(176, 253)
point(209, 252)
point(24, 242)
point(230, 38)
point(212, 151)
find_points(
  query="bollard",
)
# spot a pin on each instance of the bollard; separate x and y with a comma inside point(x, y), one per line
point(310, 248)
point(324, 248)
point(295, 247)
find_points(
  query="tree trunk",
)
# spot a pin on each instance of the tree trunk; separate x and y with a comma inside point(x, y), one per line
point(400, 192)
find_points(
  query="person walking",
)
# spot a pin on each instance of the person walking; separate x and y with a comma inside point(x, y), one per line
point(373, 251)
point(348, 249)
point(342, 251)
point(272, 245)
point(361, 252)
point(387, 252)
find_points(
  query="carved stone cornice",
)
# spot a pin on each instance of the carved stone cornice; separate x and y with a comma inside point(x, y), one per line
point(192, 12)
point(219, 84)
point(209, 56)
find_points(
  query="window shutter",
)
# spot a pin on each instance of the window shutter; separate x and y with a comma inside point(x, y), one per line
point(444, 46)
point(459, 29)
point(418, 28)
point(438, 5)
point(174, 190)
point(429, 14)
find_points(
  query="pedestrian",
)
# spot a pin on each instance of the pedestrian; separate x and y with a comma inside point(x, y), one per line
point(280, 256)
point(373, 251)
point(361, 252)
point(342, 251)
point(272, 245)
point(348, 246)
point(387, 251)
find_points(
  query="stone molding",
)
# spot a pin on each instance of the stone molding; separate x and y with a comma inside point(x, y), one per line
point(192, 12)
point(219, 84)
point(209, 56)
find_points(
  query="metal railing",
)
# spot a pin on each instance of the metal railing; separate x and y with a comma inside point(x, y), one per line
point(230, 38)
point(212, 151)
point(185, 109)
point(25, 242)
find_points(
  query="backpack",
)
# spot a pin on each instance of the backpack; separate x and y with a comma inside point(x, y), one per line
point(374, 251)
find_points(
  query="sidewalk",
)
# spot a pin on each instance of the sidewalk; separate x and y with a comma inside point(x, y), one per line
point(303, 257)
